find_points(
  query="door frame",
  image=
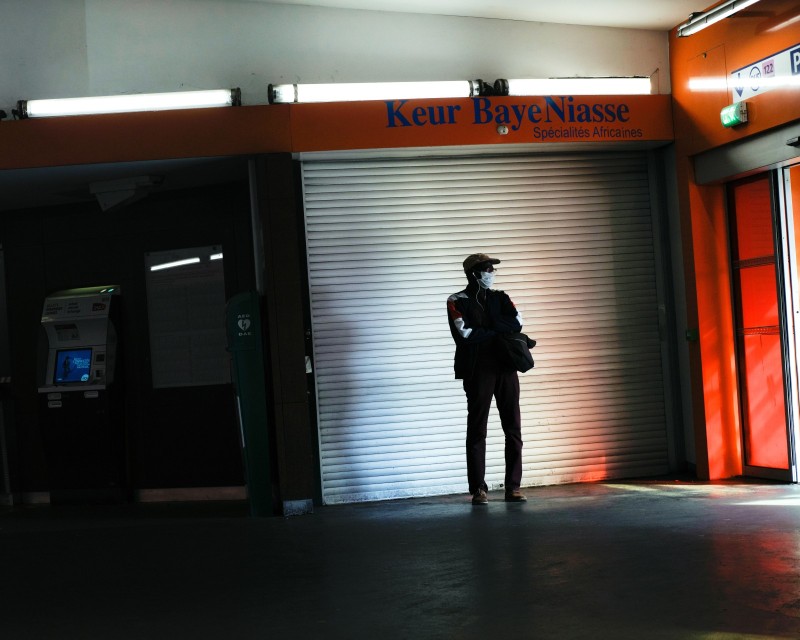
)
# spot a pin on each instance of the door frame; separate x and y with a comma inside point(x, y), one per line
point(787, 241)
point(784, 259)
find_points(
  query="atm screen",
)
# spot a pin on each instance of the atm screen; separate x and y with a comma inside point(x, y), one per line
point(72, 365)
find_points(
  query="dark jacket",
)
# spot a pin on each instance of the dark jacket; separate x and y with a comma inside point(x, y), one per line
point(474, 323)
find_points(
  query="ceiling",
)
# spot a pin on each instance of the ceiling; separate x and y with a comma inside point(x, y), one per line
point(658, 15)
point(42, 187)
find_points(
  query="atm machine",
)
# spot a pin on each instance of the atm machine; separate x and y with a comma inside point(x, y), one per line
point(80, 410)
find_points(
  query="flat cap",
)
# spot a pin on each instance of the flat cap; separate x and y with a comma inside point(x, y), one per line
point(476, 259)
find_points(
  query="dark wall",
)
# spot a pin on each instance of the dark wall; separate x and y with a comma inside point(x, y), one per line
point(285, 318)
point(182, 437)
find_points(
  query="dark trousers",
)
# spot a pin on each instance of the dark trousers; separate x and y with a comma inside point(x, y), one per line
point(480, 388)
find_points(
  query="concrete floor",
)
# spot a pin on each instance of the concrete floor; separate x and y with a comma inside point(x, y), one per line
point(640, 560)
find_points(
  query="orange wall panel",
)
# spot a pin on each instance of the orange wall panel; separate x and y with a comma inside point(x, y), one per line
point(754, 34)
point(144, 136)
point(767, 28)
point(722, 429)
point(794, 176)
point(332, 126)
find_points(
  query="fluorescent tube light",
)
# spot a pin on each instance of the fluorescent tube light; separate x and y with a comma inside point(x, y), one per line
point(129, 103)
point(215, 256)
point(699, 21)
point(177, 263)
point(579, 86)
point(357, 91)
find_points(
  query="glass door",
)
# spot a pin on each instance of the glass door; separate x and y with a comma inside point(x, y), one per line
point(789, 197)
point(759, 313)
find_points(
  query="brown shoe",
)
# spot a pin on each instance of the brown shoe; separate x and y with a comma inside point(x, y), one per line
point(480, 497)
point(515, 495)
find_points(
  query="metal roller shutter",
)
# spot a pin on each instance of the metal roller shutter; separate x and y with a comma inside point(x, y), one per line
point(385, 242)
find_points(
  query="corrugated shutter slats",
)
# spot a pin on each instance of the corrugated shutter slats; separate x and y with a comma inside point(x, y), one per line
point(385, 241)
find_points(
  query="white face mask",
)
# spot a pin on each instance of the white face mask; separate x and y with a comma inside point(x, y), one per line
point(486, 279)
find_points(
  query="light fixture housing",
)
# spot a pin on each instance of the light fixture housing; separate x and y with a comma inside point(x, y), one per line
point(699, 21)
point(358, 91)
point(129, 103)
point(638, 85)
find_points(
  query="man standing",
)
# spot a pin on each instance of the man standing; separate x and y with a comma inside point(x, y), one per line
point(476, 315)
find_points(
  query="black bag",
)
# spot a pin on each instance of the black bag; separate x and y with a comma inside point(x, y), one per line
point(514, 351)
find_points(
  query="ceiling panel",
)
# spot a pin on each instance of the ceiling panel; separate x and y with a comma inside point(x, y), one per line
point(659, 15)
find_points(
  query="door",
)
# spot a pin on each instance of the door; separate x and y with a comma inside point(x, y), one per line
point(759, 313)
point(790, 199)
point(386, 239)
